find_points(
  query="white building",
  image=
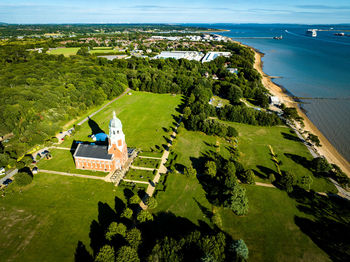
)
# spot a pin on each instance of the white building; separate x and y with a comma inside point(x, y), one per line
point(210, 56)
point(275, 100)
point(189, 55)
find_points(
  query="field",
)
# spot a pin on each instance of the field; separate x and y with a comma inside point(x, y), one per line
point(146, 120)
point(68, 51)
point(253, 144)
point(139, 175)
point(269, 229)
point(45, 221)
point(62, 160)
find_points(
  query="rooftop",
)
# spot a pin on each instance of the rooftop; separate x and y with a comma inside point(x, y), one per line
point(93, 151)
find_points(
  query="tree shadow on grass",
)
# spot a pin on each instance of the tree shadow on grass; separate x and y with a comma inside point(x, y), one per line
point(265, 172)
point(291, 137)
point(299, 160)
point(330, 226)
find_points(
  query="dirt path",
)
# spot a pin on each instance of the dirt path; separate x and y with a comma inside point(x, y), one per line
point(151, 157)
point(161, 170)
point(143, 168)
point(70, 174)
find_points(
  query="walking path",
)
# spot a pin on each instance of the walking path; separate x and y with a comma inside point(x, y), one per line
point(161, 170)
point(143, 168)
point(70, 174)
point(151, 157)
point(135, 181)
point(59, 147)
point(341, 191)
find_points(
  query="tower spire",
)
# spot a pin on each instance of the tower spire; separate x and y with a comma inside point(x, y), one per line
point(114, 115)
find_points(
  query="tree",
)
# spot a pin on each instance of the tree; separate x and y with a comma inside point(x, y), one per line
point(240, 249)
point(314, 139)
point(249, 177)
point(23, 178)
point(288, 180)
point(127, 213)
point(151, 202)
point(106, 254)
point(190, 171)
point(306, 181)
point(231, 131)
point(115, 229)
point(239, 201)
point(320, 165)
point(144, 216)
point(127, 254)
point(135, 199)
point(210, 168)
point(133, 237)
point(272, 178)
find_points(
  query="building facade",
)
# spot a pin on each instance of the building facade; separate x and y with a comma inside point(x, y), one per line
point(105, 158)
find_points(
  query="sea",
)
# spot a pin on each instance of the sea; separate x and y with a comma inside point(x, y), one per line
point(316, 69)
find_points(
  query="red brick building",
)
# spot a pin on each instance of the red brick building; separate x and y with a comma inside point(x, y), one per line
point(104, 158)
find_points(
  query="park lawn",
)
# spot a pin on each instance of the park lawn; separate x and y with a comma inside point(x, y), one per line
point(146, 118)
point(46, 220)
point(218, 101)
point(190, 145)
point(269, 229)
point(140, 175)
point(253, 144)
point(146, 162)
point(67, 51)
point(62, 160)
point(184, 197)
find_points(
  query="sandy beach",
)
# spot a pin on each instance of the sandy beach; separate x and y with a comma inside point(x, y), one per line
point(327, 149)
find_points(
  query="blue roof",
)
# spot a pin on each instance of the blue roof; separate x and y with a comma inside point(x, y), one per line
point(101, 137)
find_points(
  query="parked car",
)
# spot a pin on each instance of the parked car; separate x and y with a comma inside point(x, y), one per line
point(7, 182)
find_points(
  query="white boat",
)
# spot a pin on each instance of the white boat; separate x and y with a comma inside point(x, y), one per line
point(311, 32)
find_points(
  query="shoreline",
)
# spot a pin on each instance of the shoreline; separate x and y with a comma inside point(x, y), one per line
point(327, 149)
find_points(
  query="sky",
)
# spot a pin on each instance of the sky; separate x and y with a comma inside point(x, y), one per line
point(180, 11)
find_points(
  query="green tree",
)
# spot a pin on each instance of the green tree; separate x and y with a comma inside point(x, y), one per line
point(127, 254)
point(272, 178)
point(135, 199)
point(239, 201)
point(133, 237)
point(106, 254)
point(127, 213)
point(190, 171)
point(288, 180)
point(306, 181)
point(144, 216)
point(314, 139)
point(320, 165)
point(240, 249)
point(115, 229)
point(23, 179)
point(249, 177)
point(151, 202)
point(210, 168)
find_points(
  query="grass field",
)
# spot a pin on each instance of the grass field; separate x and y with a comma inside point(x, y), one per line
point(47, 219)
point(268, 229)
point(146, 162)
point(145, 118)
point(62, 160)
point(139, 175)
point(253, 144)
point(68, 51)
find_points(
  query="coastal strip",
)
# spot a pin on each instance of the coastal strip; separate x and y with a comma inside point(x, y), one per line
point(327, 149)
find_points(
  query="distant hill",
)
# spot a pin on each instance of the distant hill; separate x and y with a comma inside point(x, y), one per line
point(2, 23)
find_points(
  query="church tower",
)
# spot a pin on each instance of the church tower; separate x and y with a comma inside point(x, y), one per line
point(116, 142)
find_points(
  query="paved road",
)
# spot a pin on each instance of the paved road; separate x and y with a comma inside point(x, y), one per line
point(9, 174)
point(99, 110)
point(341, 191)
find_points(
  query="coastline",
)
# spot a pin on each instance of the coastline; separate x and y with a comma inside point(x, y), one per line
point(327, 149)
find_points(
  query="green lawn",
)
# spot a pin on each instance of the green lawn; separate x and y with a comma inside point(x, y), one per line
point(146, 162)
point(268, 229)
point(47, 219)
point(67, 51)
point(144, 116)
point(139, 175)
point(253, 144)
point(62, 160)
point(218, 101)
point(190, 145)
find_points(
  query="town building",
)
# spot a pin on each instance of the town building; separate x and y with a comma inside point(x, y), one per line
point(189, 55)
point(210, 56)
point(102, 157)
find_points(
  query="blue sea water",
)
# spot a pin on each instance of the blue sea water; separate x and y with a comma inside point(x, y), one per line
point(316, 68)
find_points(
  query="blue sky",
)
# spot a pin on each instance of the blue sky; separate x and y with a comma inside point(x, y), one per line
point(180, 11)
